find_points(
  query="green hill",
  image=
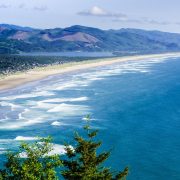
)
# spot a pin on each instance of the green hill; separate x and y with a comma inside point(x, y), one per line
point(16, 39)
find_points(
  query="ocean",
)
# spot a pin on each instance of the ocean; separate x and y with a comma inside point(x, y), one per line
point(134, 104)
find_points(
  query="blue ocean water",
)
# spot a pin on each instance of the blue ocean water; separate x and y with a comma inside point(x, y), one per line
point(134, 104)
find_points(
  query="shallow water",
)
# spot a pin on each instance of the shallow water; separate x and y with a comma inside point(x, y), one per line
point(70, 54)
point(135, 105)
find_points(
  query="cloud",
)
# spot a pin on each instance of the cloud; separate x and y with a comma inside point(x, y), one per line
point(100, 12)
point(120, 17)
point(4, 6)
point(155, 22)
point(143, 21)
point(40, 8)
point(137, 21)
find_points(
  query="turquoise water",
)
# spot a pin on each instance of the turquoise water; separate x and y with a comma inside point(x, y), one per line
point(135, 105)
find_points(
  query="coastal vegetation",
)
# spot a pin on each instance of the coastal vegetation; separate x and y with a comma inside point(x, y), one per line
point(82, 162)
point(14, 63)
point(31, 162)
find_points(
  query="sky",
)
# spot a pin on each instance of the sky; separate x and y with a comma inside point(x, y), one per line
point(161, 15)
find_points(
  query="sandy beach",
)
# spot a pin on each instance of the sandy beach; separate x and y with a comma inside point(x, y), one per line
point(20, 78)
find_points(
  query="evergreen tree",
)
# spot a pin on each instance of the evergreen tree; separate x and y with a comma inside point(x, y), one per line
point(83, 162)
point(31, 162)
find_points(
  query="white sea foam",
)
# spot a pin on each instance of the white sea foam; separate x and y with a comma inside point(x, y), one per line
point(84, 79)
point(42, 114)
point(5, 141)
point(40, 111)
point(85, 118)
point(91, 119)
point(23, 138)
point(3, 151)
point(23, 122)
point(66, 86)
point(72, 84)
point(56, 150)
point(126, 67)
point(10, 143)
point(26, 110)
point(11, 125)
point(11, 105)
point(43, 105)
point(60, 100)
point(56, 123)
point(20, 117)
point(4, 119)
point(69, 109)
point(25, 96)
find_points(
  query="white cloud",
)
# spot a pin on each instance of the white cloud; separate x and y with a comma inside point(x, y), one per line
point(120, 17)
point(100, 12)
point(97, 11)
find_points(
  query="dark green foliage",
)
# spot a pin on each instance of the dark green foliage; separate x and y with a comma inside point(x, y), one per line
point(84, 163)
point(36, 165)
point(14, 63)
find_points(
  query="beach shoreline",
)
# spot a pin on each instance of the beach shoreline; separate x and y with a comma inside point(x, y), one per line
point(39, 73)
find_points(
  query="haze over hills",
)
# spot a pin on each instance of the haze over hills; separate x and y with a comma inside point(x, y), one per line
point(16, 39)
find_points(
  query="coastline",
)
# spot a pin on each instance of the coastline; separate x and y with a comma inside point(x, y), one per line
point(21, 78)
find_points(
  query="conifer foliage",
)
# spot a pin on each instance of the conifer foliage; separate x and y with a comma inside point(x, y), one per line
point(84, 163)
point(32, 162)
point(35, 161)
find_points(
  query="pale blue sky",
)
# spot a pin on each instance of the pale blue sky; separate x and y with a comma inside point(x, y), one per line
point(106, 14)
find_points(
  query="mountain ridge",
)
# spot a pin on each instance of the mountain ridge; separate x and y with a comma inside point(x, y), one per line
point(17, 39)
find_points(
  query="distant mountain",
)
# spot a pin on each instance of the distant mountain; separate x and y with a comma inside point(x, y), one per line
point(15, 27)
point(16, 39)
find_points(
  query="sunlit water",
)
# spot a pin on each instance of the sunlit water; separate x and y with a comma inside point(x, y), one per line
point(135, 105)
